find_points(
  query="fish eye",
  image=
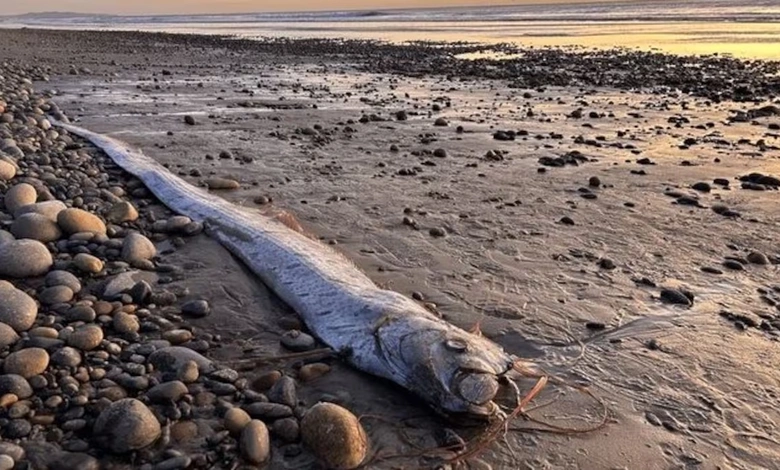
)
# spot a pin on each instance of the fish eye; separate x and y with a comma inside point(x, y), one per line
point(456, 345)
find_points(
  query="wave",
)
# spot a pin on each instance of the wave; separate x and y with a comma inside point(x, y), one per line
point(696, 10)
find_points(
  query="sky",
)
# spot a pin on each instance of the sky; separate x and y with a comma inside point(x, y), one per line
point(152, 7)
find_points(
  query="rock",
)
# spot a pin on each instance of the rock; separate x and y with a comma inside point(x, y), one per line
point(6, 462)
point(63, 278)
point(437, 232)
point(48, 209)
point(312, 371)
point(122, 212)
point(196, 308)
point(12, 450)
point(87, 263)
point(674, 296)
point(733, 265)
point(15, 384)
point(267, 380)
point(86, 338)
point(24, 258)
point(189, 120)
point(26, 362)
point(268, 411)
point(78, 221)
point(297, 341)
point(126, 323)
point(188, 372)
point(66, 357)
point(172, 358)
point(55, 295)
point(74, 460)
point(118, 285)
point(756, 257)
point(21, 195)
point(5, 237)
point(8, 336)
point(36, 227)
point(702, 187)
point(594, 182)
point(222, 183)
point(441, 122)
point(136, 249)
point(335, 436)
point(236, 420)
point(177, 336)
point(255, 443)
point(126, 425)
point(167, 392)
point(287, 429)
point(17, 309)
point(283, 391)
point(7, 171)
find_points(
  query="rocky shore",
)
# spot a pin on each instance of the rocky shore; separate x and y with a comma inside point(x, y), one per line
point(609, 215)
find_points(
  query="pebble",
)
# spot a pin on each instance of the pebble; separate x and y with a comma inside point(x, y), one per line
point(74, 460)
point(196, 308)
point(268, 411)
point(86, 338)
point(80, 221)
point(63, 278)
point(66, 357)
point(6, 462)
point(674, 296)
point(734, 265)
point(172, 358)
point(21, 195)
point(5, 237)
point(55, 295)
point(177, 336)
point(26, 362)
point(126, 323)
point(267, 380)
point(8, 336)
point(335, 436)
point(122, 212)
point(171, 391)
point(48, 209)
point(758, 258)
point(136, 249)
point(255, 442)
point(7, 171)
point(188, 372)
point(313, 371)
point(36, 227)
point(298, 341)
point(174, 463)
point(15, 384)
point(284, 392)
point(24, 258)
point(127, 425)
point(286, 429)
point(222, 184)
point(236, 420)
point(17, 309)
point(88, 263)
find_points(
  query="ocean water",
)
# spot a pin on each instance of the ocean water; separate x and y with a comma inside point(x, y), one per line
point(746, 28)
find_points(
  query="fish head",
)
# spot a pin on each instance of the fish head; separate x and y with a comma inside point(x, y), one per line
point(455, 371)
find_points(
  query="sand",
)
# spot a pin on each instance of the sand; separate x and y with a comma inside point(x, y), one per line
point(685, 386)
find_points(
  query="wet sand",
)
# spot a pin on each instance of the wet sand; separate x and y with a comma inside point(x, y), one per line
point(557, 267)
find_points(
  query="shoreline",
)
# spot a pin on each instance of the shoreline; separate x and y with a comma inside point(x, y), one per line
point(568, 222)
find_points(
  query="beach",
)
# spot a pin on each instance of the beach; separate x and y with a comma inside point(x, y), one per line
point(610, 216)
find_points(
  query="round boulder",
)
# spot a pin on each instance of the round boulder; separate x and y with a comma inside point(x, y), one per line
point(127, 425)
point(63, 278)
point(136, 248)
point(122, 212)
point(26, 362)
point(334, 436)
point(48, 209)
point(21, 195)
point(86, 338)
point(6, 237)
point(36, 227)
point(24, 258)
point(255, 442)
point(8, 336)
point(17, 309)
point(77, 221)
point(15, 384)
point(7, 171)
point(87, 263)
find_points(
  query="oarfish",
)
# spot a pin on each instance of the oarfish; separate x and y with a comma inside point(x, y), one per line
point(378, 331)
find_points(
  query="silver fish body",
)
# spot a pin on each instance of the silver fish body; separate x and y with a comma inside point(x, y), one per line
point(378, 331)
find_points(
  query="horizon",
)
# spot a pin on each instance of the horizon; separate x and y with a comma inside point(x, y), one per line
point(215, 7)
